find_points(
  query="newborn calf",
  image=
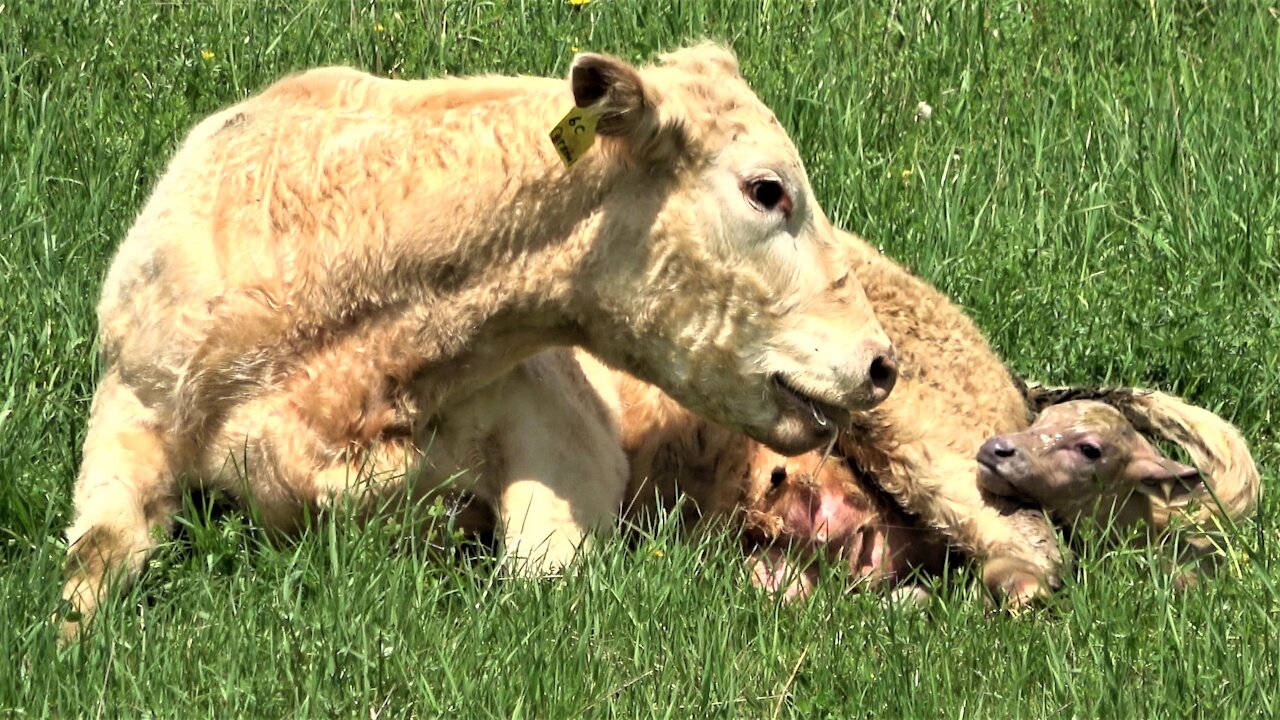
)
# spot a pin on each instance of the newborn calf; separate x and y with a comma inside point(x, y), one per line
point(1083, 460)
point(1091, 459)
point(798, 509)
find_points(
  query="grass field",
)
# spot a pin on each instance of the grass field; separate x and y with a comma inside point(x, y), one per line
point(1099, 185)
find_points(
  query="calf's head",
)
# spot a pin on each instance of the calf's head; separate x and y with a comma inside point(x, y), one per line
point(816, 506)
point(715, 274)
point(1081, 457)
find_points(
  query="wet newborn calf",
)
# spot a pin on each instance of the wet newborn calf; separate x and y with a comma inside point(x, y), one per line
point(1091, 461)
point(1083, 460)
point(800, 509)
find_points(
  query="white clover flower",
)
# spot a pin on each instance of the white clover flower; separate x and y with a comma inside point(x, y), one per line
point(924, 111)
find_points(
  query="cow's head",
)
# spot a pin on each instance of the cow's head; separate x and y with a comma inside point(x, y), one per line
point(717, 276)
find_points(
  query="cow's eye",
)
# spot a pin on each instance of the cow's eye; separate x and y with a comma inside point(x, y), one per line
point(768, 194)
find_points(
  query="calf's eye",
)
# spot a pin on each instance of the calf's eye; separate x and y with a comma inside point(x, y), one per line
point(1090, 450)
point(778, 476)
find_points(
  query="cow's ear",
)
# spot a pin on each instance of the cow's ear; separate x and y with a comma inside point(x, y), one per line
point(614, 90)
point(626, 110)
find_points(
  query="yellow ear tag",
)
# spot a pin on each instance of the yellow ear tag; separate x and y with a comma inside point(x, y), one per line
point(575, 134)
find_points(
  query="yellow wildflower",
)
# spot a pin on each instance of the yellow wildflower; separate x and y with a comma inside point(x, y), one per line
point(906, 173)
point(379, 28)
point(207, 54)
point(657, 552)
point(579, 3)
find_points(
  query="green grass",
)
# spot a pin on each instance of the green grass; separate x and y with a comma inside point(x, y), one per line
point(1098, 186)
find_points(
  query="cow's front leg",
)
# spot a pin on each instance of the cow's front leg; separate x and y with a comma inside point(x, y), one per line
point(125, 497)
point(562, 472)
point(1017, 550)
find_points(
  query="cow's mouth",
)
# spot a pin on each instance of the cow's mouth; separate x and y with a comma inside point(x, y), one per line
point(822, 417)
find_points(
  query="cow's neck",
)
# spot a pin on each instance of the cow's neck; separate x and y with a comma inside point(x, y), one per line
point(497, 268)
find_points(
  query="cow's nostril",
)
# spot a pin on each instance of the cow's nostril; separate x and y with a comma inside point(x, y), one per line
point(883, 374)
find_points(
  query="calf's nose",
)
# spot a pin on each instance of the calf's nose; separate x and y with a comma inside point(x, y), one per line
point(1001, 446)
point(996, 449)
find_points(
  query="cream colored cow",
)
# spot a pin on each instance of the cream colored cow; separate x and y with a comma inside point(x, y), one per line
point(334, 287)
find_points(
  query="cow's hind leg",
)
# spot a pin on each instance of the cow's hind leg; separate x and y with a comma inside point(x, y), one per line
point(125, 498)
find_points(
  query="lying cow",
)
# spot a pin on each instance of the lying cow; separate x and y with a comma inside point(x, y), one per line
point(341, 272)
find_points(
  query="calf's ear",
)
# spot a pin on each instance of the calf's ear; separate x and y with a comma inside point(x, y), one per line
point(1165, 479)
point(626, 109)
